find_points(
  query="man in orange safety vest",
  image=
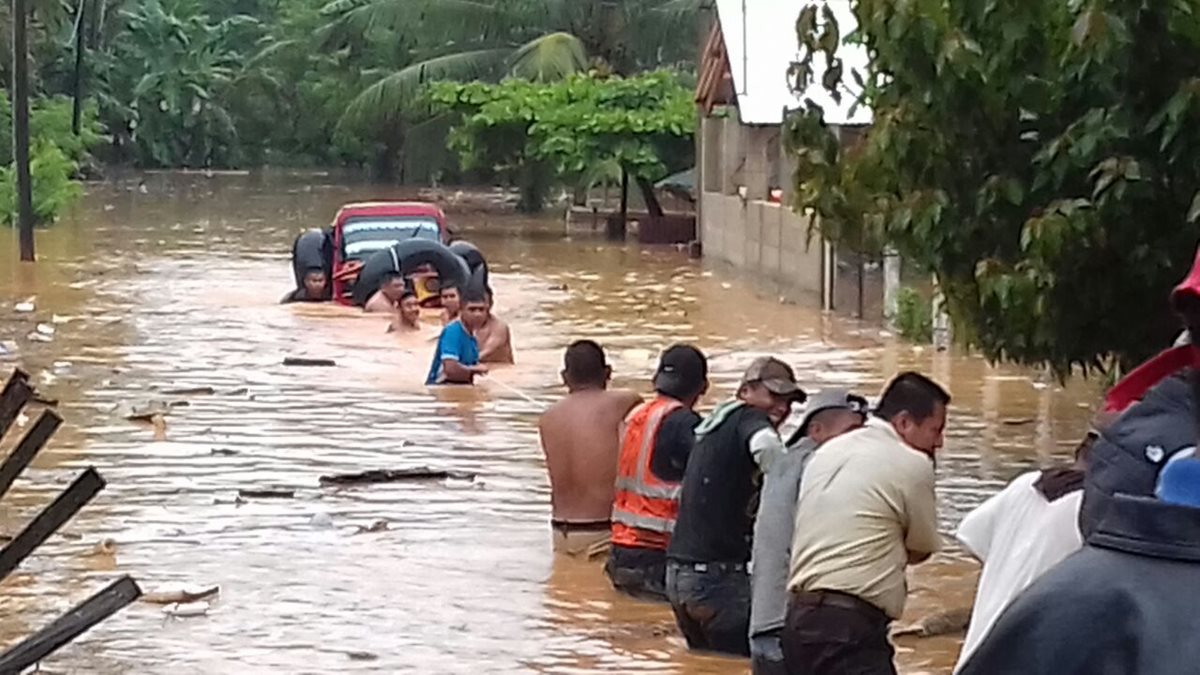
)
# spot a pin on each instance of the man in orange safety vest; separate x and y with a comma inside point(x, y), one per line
point(655, 446)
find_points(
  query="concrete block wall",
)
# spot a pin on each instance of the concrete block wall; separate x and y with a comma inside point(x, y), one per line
point(763, 238)
point(749, 232)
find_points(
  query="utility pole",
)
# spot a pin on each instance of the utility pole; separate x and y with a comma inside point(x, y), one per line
point(20, 96)
point(80, 47)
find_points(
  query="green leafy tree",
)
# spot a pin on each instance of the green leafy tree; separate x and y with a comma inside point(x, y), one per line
point(55, 157)
point(537, 132)
point(1038, 158)
point(169, 79)
point(541, 40)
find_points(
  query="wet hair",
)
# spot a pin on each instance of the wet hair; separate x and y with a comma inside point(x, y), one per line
point(449, 286)
point(409, 292)
point(314, 270)
point(470, 295)
point(911, 393)
point(584, 363)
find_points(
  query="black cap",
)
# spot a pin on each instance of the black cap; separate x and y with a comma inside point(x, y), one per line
point(682, 371)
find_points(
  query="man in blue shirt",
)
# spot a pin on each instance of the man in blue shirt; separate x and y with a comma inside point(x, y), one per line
point(456, 360)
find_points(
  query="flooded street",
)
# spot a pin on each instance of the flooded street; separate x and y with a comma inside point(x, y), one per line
point(178, 287)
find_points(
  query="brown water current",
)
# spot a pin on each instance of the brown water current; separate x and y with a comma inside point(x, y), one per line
point(175, 286)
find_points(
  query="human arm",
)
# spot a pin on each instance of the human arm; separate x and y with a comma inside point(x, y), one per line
point(921, 537)
point(457, 373)
point(773, 531)
point(673, 444)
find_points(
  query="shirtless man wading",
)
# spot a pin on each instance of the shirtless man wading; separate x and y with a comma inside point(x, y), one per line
point(581, 437)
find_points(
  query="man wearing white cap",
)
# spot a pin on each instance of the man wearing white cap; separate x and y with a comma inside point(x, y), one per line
point(828, 415)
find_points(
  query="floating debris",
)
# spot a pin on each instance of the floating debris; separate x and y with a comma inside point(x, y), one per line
point(306, 362)
point(179, 597)
point(223, 452)
point(377, 526)
point(184, 611)
point(1017, 421)
point(26, 306)
point(190, 391)
point(266, 493)
point(942, 623)
point(395, 475)
point(45, 329)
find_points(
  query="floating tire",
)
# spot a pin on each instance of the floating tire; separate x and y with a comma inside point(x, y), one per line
point(405, 257)
point(312, 249)
point(471, 254)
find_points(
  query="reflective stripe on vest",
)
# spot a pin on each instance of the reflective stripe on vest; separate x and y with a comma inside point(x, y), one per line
point(638, 485)
point(664, 525)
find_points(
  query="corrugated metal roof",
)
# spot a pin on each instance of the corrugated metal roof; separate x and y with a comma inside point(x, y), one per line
point(760, 38)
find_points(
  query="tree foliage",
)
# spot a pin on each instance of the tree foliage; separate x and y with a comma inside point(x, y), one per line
point(55, 157)
point(1038, 158)
point(643, 124)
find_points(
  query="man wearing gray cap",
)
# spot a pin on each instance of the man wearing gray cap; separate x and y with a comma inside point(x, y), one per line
point(708, 582)
point(828, 415)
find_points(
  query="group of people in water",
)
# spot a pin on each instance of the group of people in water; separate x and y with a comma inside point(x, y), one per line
point(471, 336)
point(803, 575)
point(793, 552)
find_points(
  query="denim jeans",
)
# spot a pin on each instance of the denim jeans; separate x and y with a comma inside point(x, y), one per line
point(711, 602)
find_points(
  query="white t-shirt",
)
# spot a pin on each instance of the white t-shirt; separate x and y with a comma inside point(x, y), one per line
point(1017, 535)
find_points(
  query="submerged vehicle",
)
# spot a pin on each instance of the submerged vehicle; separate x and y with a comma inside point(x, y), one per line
point(368, 240)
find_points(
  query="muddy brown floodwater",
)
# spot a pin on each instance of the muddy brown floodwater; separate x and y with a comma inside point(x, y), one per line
point(175, 286)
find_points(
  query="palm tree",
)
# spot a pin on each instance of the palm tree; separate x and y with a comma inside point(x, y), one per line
point(487, 39)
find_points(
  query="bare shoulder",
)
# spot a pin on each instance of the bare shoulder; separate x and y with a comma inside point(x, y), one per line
point(625, 399)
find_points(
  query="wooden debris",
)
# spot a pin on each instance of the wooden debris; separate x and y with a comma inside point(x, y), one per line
point(240, 391)
point(266, 493)
point(306, 362)
point(179, 597)
point(362, 656)
point(948, 622)
point(223, 452)
point(421, 473)
point(1017, 421)
point(70, 625)
point(54, 516)
point(190, 391)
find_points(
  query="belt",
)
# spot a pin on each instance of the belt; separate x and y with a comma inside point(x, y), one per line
point(712, 566)
point(567, 526)
point(840, 600)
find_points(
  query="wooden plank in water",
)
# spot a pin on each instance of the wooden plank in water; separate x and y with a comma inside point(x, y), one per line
point(46, 523)
point(395, 475)
point(28, 448)
point(70, 625)
point(305, 362)
point(16, 394)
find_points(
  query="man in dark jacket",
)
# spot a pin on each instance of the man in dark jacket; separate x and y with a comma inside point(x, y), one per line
point(1126, 602)
point(708, 582)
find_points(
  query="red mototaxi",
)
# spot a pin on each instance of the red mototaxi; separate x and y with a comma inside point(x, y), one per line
point(361, 229)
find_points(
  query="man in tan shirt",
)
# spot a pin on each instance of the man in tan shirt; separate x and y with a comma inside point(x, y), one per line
point(866, 511)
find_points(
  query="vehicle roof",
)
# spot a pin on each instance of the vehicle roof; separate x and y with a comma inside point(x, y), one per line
point(389, 209)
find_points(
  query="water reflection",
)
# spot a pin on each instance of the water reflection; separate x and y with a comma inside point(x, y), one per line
point(177, 288)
